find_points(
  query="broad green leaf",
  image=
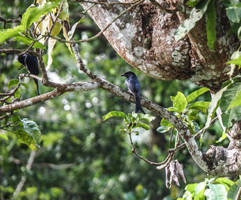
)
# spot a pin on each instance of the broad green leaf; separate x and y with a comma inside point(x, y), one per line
point(188, 24)
point(29, 41)
point(179, 102)
point(216, 192)
point(200, 105)
point(3, 135)
point(166, 123)
point(199, 191)
point(232, 193)
point(25, 130)
point(225, 181)
point(32, 14)
point(143, 125)
point(9, 33)
point(32, 129)
point(12, 83)
point(191, 97)
point(191, 188)
point(114, 114)
point(211, 24)
point(234, 13)
point(230, 104)
point(236, 61)
point(165, 126)
point(163, 129)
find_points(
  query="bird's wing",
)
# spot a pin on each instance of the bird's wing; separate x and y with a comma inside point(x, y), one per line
point(133, 86)
point(32, 64)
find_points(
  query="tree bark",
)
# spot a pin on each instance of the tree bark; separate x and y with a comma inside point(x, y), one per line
point(144, 37)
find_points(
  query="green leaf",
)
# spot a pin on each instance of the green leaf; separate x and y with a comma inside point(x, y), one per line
point(12, 83)
point(32, 14)
point(9, 33)
point(32, 129)
point(230, 104)
point(216, 192)
point(222, 138)
point(191, 188)
point(191, 97)
point(236, 61)
point(27, 131)
point(3, 135)
point(199, 191)
point(166, 123)
point(114, 114)
point(192, 3)
point(188, 24)
point(29, 41)
point(225, 181)
point(143, 125)
point(200, 105)
point(232, 193)
point(234, 13)
point(179, 102)
point(211, 24)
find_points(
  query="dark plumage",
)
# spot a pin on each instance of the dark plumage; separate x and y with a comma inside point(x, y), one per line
point(31, 62)
point(133, 86)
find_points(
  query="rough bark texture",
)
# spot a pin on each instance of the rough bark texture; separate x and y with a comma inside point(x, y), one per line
point(144, 37)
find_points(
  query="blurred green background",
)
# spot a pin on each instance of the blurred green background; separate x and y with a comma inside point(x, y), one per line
point(82, 157)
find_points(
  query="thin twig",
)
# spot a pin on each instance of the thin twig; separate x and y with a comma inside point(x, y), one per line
point(24, 177)
point(103, 30)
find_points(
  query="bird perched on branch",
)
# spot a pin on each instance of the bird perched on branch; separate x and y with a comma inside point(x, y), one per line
point(31, 62)
point(133, 86)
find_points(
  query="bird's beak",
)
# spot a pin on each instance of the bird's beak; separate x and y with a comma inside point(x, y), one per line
point(122, 74)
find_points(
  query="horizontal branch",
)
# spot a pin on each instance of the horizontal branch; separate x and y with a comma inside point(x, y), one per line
point(82, 86)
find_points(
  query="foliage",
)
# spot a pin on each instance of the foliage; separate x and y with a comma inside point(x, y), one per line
point(88, 151)
point(212, 189)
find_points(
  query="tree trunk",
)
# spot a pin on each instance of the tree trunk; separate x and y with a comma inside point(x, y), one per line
point(144, 37)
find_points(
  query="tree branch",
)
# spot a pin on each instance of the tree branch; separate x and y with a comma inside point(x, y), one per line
point(82, 86)
point(179, 125)
point(24, 177)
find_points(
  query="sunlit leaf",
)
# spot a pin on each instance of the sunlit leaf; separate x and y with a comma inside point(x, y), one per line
point(32, 14)
point(179, 102)
point(199, 191)
point(114, 114)
point(223, 180)
point(191, 97)
point(236, 61)
point(200, 105)
point(143, 125)
point(9, 33)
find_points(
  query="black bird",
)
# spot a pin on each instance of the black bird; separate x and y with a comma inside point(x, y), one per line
point(31, 62)
point(133, 86)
